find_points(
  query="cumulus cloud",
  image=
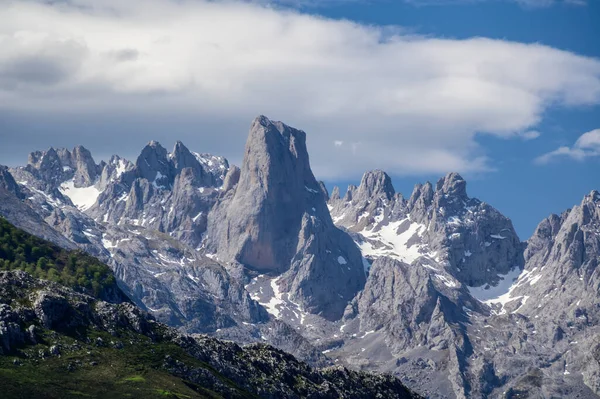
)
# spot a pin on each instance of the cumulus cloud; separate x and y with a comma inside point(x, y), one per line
point(404, 103)
point(587, 145)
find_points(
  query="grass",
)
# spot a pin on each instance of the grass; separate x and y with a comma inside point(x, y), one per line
point(131, 372)
point(135, 378)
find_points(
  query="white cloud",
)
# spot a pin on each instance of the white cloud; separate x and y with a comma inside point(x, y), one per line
point(587, 145)
point(525, 3)
point(530, 135)
point(338, 143)
point(404, 103)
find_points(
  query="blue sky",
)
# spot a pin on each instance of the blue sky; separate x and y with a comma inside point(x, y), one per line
point(505, 92)
point(524, 191)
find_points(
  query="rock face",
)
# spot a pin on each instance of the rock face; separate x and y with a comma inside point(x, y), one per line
point(146, 230)
point(276, 221)
point(552, 307)
point(168, 192)
point(14, 206)
point(147, 220)
point(8, 183)
point(470, 240)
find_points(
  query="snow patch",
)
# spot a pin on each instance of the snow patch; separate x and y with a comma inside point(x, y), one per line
point(196, 217)
point(395, 245)
point(121, 168)
point(448, 282)
point(158, 177)
point(82, 197)
point(494, 294)
point(338, 218)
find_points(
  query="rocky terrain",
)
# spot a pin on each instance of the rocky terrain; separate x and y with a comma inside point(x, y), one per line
point(57, 343)
point(436, 288)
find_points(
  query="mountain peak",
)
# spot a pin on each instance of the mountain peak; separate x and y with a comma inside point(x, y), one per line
point(153, 161)
point(154, 144)
point(183, 158)
point(276, 221)
point(335, 194)
point(261, 120)
point(593, 196)
point(376, 183)
point(86, 170)
point(350, 193)
point(452, 185)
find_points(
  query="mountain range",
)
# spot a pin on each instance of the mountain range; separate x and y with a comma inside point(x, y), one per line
point(435, 288)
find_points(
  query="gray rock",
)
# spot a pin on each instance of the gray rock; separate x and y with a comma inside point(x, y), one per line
point(276, 221)
point(8, 183)
point(54, 350)
point(153, 165)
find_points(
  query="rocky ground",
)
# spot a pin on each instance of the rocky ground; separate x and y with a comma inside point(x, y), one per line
point(59, 343)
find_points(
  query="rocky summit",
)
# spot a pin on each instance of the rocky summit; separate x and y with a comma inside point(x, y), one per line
point(434, 288)
point(275, 222)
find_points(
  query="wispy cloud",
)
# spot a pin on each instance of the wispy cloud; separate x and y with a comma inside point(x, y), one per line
point(531, 4)
point(548, 3)
point(530, 135)
point(404, 103)
point(586, 146)
point(524, 3)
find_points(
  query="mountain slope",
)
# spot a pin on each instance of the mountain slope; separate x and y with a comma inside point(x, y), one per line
point(76, 345)
point(441, 298)
point(56, 342)
point(142, 229)
point(22, 251)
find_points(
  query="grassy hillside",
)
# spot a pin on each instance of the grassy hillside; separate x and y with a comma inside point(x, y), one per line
point(128, 367)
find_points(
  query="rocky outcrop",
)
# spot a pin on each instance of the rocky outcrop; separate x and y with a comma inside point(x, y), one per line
point(168, 192)
point(430, 253)
point(257, 370)
point(561, 276)
point(18, 211)
point(479, 241)
point(153, 165)
point(8, 183)
point(467, 239)
point(276, 221)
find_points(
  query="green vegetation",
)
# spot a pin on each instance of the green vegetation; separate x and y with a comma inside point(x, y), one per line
point(20, 250)
point(84, 370)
